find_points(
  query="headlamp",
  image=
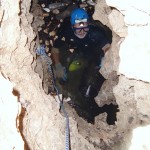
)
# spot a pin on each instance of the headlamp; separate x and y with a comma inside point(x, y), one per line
point(81, 24)
point(80, 20)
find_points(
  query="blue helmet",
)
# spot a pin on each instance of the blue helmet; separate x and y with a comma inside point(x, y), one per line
point(79, 15)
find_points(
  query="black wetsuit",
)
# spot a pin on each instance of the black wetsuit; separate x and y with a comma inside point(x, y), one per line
point(89, 48)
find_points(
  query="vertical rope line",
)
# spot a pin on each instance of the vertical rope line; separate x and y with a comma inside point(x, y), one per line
point(41, 51)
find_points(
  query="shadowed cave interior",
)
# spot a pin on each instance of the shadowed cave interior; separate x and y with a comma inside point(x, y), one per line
point(53, 24)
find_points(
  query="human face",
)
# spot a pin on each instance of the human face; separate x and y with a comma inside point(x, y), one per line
point(81, 29)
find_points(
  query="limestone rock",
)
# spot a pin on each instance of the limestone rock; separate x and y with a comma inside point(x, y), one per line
point(10, 108)
point(106, 96)
point(118, 27)
point(134, 51)
point(110, 62)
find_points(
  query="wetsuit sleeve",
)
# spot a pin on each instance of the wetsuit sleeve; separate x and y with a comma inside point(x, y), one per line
point(98, 36)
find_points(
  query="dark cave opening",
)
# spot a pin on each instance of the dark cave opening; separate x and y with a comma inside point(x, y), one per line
point(47, 34)
point(111, 111)
point(90, 109)
point(95, 110)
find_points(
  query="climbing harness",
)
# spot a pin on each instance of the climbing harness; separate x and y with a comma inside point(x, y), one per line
point(41, 51)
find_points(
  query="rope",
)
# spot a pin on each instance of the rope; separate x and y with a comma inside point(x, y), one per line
point(41, 51)
point(67, 121)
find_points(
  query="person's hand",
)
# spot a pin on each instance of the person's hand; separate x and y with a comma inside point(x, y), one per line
point(60, 71)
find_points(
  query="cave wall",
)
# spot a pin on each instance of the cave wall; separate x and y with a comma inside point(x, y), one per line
point(130, 21)
point(134, 51)
point(10, 137)
point(16, 62)
point(43, 125)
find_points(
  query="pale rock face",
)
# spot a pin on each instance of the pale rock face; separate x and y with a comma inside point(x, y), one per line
point(131, 93)
point(138, 142)
point(135, 54)
point(119, 28)
point(10, 137)
point(135, 50)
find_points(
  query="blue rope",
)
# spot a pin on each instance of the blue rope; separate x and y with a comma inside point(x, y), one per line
point(67, 121)
point(41, 51)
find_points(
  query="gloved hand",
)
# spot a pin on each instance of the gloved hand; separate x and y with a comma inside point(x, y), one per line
point(60, 71)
